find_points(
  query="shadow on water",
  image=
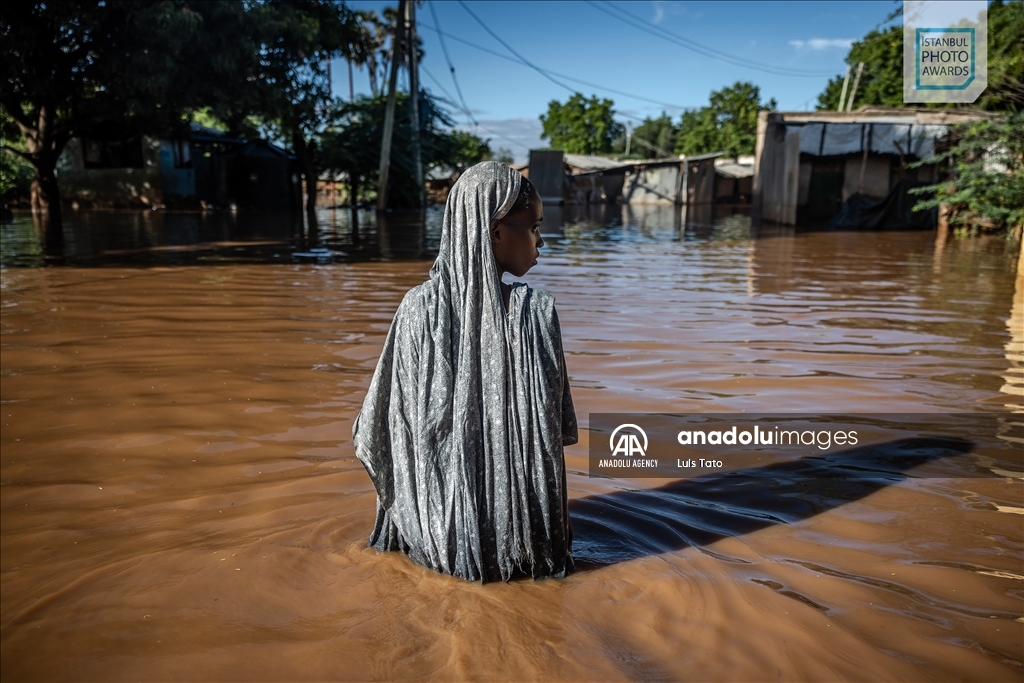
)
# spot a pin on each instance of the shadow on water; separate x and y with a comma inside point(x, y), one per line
point(628, 525)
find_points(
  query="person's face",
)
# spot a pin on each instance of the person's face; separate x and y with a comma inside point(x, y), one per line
point(516, 239)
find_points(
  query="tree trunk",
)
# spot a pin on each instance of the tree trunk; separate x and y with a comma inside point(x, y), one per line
point(305, 153)
point(46, 194)
point(46, 212)
point(389, 113)
point(45, 144)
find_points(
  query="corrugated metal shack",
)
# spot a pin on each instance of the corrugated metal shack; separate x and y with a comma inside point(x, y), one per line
point(734, 180)
point(587, 179)
point(547, 173)
point(807, 164)
point(594, 179)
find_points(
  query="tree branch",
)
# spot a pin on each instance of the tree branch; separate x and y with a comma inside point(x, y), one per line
point(13, 109)
point(24, 155)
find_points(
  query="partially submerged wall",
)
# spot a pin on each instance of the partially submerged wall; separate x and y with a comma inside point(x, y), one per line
point(111, 187)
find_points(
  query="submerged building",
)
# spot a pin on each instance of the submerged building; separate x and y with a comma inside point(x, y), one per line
point(203, 168)
point(582, 179)
point(808, 164)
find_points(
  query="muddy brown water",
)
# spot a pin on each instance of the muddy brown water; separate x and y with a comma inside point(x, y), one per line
point(180, 500)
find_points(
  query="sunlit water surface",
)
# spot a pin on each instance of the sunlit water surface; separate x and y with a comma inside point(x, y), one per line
point(181, 501)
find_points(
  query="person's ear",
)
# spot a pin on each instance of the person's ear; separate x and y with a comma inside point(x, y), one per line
point(495, 231)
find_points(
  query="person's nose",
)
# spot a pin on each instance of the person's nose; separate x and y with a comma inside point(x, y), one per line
point(540, 241)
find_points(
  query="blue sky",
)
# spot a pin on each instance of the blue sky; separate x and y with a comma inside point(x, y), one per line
point(579, 40)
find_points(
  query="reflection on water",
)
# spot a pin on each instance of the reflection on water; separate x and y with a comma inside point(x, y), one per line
point(180, 499)
point(159, 238)
point(339, 236)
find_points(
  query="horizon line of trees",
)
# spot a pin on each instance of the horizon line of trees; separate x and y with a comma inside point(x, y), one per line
point(728, 123)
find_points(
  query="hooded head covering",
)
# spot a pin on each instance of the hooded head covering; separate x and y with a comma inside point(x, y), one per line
point(447, 424)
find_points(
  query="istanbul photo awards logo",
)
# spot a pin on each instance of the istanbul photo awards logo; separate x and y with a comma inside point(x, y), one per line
point(945, 50)
point(625, 441)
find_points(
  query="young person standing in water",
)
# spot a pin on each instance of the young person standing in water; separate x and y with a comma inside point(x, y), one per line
point(463, 426)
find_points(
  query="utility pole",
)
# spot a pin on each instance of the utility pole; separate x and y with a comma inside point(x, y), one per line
point(389, 114)
point(351, 91)
point(856, 82)
point(842, 95)
point(414, 100)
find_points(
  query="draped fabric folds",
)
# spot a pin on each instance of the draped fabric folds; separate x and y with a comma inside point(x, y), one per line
point(464, 422)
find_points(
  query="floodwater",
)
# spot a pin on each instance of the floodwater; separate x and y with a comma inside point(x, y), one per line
point(180, 499)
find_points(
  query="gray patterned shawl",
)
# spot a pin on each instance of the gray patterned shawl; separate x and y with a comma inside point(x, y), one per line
point(464, 422)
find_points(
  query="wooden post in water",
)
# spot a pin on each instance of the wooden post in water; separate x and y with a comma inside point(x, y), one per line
point(414, 101)
point(389, 113)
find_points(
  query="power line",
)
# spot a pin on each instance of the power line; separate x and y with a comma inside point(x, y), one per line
point(527, 62)
point(475, 123)
point(508, 47)
point(555, 73)
point(451, 68)
point(699, 48)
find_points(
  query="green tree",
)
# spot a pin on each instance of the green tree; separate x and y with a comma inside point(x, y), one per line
point(581, 126)
point(728, 124)
point(15, 173)
point(73, 65)
point(352, 146)
point(504, 155)
point(881, 82)
point(296, 39)
point(986, 183)
point(1005, 57)
point(654, 137)
point(469, 149)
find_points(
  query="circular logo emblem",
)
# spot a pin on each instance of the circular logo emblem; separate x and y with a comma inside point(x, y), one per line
point(628, 443)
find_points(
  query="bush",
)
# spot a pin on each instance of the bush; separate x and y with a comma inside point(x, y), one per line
point(985, 190)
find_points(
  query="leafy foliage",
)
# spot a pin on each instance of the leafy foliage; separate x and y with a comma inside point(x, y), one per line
point(581, 126)
point(1005, 57)
point(654, 137)
point(504, 155)
point(15, 171)
point(468, 149)
point(728, 124)
point(881, 83)
point(986, 186)
point(352, 145)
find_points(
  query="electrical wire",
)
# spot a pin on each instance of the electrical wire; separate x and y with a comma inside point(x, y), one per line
point(530, 64)
point(671, 105)
point(475, 123)
point(508, 47)
point(451, 68)
point(699, 48)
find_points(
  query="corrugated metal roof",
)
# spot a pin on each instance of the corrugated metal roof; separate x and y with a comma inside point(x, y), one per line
point(590, 162)
point(872, 114)
point(702, 157)
point(735, 170)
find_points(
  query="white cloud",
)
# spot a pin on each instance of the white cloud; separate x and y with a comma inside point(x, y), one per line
point(822, 43)
point(659, 13)
point(524, 131)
